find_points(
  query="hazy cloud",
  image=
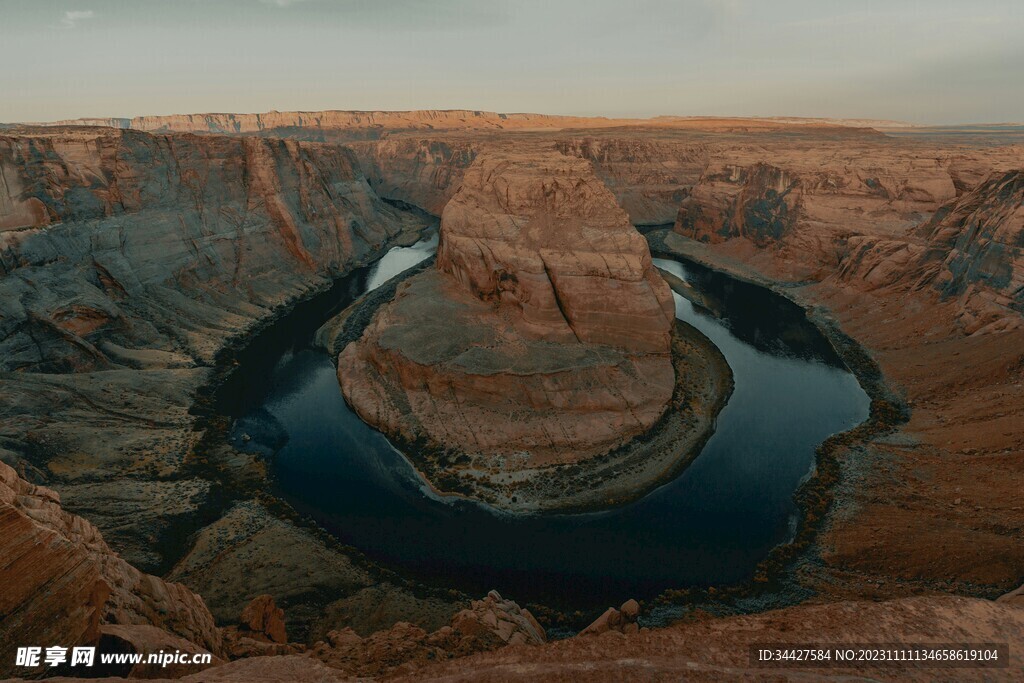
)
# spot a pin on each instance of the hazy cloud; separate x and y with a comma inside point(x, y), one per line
point(934, 62)
point(72, 17)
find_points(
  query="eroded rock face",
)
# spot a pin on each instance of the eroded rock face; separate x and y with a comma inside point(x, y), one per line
point(976, 251)
point(872, 215)
point(827, 187)
point(648, 177)
point(375, 121)
point(127, 262)
point(760, 203)
point(970, 251)
point(51, 588)
point(422, 172)
point(105, 233)
point(487, 624)
point(61, 584)
point(546, 240)
point(542, 336)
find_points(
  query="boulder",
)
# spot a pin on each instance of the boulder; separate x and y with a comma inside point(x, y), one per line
point(1014, 597)
point(265, 618)
point(622, 620)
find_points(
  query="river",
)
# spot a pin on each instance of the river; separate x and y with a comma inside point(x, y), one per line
point(710, 525)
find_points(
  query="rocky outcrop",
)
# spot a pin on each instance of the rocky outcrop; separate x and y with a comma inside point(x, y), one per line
point(622, 620)
point(61, 584)
point(546, 241)
point(760, 203)
point(488, 624)
point(543, 335)
point(263, 617)
point(261, 631)
point(976, 252)
point(53, 590)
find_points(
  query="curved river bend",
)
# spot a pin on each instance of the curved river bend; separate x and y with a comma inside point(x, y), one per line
point(710, 525)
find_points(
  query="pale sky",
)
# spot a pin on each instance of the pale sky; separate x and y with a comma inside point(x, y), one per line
point(936, 61)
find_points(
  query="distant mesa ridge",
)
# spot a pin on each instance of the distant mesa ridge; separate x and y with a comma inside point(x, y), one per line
point(441, 119)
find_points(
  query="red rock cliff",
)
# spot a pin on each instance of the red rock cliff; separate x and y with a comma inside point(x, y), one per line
point(59, 581)
point(546, 239)
point(543, 332)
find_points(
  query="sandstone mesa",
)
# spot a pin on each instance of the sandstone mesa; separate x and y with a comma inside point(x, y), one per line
point(543, 295)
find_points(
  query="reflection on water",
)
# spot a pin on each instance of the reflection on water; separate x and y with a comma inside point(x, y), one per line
point(780, 329)
point(711, 525)
point(400, 259)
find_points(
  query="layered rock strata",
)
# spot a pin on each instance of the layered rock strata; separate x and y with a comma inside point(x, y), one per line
point(378, 123)
point(128, 262)
point(543, 337)
point(975, 253)
point(61, 584)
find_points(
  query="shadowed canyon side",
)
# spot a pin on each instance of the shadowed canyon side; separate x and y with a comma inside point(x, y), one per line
point(132, 263)
point(976, 253)
point(543, 339)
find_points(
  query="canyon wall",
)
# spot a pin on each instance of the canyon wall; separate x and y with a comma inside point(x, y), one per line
point(546, 238)
point(891, 215)
point(309, 121)
point(975, 252)
point(650, 177)
point(376, 123)
point(424, 172)
point(911, 247)
point(129, 261)
point(107, 235)
point(105, 122)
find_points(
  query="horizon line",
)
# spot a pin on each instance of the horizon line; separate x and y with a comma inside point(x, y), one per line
point(604, 117)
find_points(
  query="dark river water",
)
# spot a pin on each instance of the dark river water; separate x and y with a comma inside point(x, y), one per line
point(710, 525)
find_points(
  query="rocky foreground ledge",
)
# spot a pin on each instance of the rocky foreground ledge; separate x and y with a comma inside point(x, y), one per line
point(61, 583)
point(539, 365)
